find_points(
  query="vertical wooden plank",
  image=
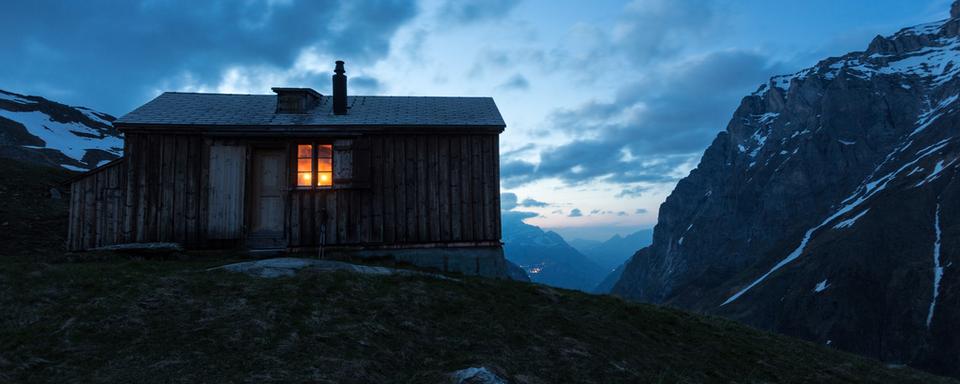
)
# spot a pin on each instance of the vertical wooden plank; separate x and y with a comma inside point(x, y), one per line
point(376, 190)
point(167, 189)
point(331, 201)
point(311, 222)
point(90, 212)
point(319, 205)
point(487, 201)
point(295, 219)
point(433, 181)
point(106, 206)
point(180, 189)
point(356, 215)
point(119, 188)
point(343, 211)
point(137, 162)
point(411, 188)
point(150, 198)
point(192, 194)
point(129, 216)
point(98, 207)
point(423, 232)
point(443, 196)
point(388, 190)
point(477, 186)
point(400, 188)
point(466, 184)
point(456, 194)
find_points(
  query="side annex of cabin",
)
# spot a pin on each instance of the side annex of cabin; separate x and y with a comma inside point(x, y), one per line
point(415, 179)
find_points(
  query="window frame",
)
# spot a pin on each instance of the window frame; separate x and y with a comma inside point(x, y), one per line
point(314, 165)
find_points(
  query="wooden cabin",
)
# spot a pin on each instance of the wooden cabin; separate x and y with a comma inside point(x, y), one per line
point(415, 179)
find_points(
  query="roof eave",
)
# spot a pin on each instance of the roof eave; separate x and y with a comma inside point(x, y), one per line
point(293, 130)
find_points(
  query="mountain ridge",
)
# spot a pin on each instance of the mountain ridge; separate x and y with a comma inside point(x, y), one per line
point(43, 131)
point(794, 218)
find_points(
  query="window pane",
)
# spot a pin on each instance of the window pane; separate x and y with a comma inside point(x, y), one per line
point(325, 178)
point(304, 165)
point(303, 179)
point(325, 150)
point(305, 150)
point(324, 165)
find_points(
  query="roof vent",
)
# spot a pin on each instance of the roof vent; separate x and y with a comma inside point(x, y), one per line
point(296, 100)
point(339, 90)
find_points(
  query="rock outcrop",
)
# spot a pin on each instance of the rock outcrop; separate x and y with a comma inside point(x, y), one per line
point(829, 209)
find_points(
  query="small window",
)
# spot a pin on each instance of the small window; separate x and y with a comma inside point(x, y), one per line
point(307, 156)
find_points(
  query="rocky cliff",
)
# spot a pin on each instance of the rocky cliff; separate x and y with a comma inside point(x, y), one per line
point(41, 131)
point(829, 208)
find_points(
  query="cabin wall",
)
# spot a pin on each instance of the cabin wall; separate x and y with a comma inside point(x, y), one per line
point(403, 190)
point(420, 189)
point(96, 208)
point(157, 193)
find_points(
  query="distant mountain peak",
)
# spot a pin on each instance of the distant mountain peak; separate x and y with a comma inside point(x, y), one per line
point(38, 130)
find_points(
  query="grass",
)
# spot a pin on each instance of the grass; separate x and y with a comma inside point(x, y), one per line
point(174, 321)
point(80, 318)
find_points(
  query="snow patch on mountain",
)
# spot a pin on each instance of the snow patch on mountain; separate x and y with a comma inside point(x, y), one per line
point(849, 222)
point(867, 190)
point(821, 286)
point(937, 268)
point(73, 139)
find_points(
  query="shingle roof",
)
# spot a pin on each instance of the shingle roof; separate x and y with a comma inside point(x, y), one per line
point(212, 109)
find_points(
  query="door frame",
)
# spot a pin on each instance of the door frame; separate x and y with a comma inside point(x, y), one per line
point(251, 197)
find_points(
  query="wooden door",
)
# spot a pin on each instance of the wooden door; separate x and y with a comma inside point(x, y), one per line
point(267, 198)
point(225, 198)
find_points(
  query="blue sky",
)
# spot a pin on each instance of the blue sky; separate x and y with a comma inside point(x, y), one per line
point(607, 105)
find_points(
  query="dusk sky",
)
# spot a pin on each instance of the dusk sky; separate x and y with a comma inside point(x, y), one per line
point(607, 105)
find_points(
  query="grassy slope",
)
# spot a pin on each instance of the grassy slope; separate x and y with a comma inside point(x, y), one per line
point(31, 223)
point(173, 321)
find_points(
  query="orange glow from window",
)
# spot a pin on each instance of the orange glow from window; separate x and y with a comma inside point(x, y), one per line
point(304, 151)
point(304, 165)
point(303, 179)
point(324, 165)
point(324, 171)
point(326, 179)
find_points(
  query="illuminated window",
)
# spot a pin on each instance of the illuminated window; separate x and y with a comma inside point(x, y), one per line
point(307, 156)
point(325, 165)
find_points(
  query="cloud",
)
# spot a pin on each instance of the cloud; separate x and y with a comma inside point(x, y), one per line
point(640, 211)
point(516, 172)
point(518, 151)
point(622, 213)
point(475, 11)
point(575, 213)
point(113, 55)
point(517, 215)
point(634, 191)
point(656, 29)
point(652, 130)
point(516, 82)
point(530, 202)
point(508, 201)
point(646, 32)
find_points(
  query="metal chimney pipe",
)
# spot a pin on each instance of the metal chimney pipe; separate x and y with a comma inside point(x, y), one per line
point(339, 90)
